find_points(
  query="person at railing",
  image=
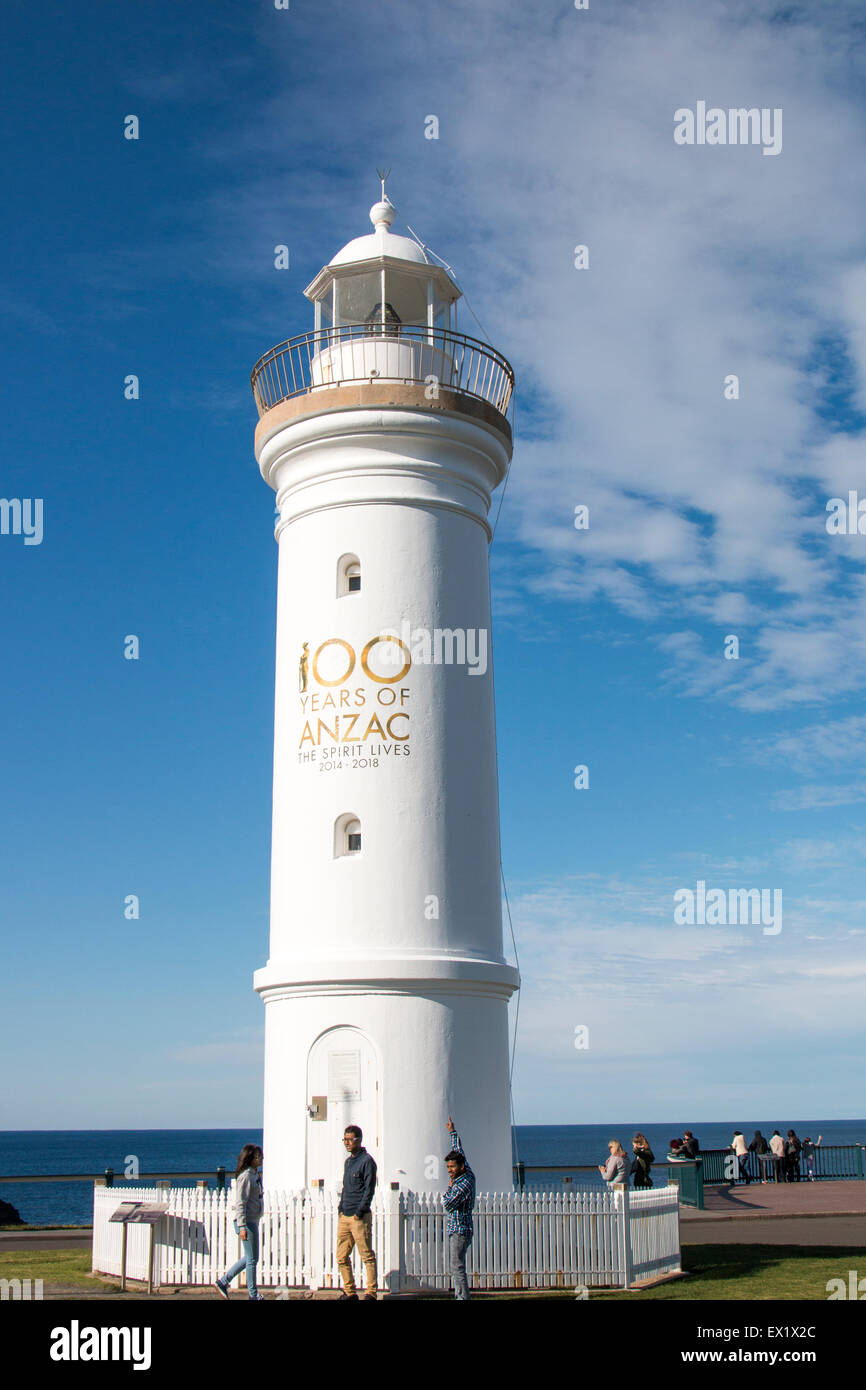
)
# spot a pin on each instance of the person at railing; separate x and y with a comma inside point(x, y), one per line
point(618, 1166)
point(760, 1148)
point(690, 1144)
point(355, 1220)
point(777, 1147)
point(643, 1160)
point(809, 1155)
point(677, 1152)
point(792, 1157)
point(458, 1201)
point(248, 1201)
point(741, 1153)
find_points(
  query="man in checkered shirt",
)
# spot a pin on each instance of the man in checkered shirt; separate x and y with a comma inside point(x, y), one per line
point(459, 1200)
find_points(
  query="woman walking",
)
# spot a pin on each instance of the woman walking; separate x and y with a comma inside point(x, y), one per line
point(643, 1160)
point(248, 1201)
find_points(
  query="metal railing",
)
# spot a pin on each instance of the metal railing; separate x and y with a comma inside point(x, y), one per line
point(108, 1175)
point(832, 1161)
point(432, 357)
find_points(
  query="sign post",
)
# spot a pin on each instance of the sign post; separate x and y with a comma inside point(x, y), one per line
point(138, 1214)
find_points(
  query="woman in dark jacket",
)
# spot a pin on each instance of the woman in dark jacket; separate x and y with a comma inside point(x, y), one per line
point(792, 1157)
point(643, 1159)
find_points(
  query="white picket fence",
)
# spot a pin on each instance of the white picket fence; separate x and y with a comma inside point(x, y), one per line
point(529, 1240)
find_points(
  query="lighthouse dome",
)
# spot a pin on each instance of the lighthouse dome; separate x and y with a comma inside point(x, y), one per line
point(381, 242)
point(385, 280)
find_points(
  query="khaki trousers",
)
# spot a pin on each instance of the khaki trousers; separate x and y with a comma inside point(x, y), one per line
point(352, 1231)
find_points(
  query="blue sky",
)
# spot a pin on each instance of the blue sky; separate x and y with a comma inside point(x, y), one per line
point(707, 518)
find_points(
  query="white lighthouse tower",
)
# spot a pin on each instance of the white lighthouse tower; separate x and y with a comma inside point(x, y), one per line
point(383, 434)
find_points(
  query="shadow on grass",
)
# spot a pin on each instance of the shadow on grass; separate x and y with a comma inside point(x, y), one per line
point(726, 1262)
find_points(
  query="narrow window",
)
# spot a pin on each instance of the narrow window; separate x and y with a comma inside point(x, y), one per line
point(347, 835)
point(348, 575)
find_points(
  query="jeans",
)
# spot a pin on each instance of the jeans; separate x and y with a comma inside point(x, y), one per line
point(457, 1247)
point(249, 1260)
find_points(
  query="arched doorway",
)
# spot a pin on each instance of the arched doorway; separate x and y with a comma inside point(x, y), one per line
point(342, 1089)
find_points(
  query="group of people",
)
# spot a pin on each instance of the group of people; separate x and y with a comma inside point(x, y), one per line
point(621, 1166)
point(355, 1219)
point(779, 1158)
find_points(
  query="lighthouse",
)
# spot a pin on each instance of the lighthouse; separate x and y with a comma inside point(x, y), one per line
point(383, 433)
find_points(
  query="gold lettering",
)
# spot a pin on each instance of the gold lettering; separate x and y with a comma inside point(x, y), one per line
point(347, 733)
point(385, 680)
point(401, 714)
point(337, 641)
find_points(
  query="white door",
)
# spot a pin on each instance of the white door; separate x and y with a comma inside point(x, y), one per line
point(342, 1085)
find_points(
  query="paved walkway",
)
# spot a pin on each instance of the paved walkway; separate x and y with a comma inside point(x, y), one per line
point(804, 1213)
point(77, 1238)
point(783, 1199)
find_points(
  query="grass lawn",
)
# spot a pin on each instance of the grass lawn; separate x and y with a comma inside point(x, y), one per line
point(753, 1272)
point(70, 1226)
point(52, 1266)
point(747, 1272)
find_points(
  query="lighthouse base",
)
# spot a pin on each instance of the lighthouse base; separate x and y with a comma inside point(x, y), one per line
point(397, 1061)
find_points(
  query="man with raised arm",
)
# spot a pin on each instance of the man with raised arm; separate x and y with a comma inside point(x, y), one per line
point(459, 1200)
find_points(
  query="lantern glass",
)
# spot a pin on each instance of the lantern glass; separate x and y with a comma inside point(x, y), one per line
point(441, 311)
point(325, 306)
point(407, 296)
point(357, 298)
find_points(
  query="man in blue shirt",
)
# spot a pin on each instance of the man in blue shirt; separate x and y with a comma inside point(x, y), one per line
point(355, 1221)
point(459, 1200)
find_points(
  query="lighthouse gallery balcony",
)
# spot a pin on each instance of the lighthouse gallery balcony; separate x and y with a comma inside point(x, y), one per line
point(444, 366)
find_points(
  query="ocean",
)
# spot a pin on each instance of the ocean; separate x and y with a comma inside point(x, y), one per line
point(204, 1150)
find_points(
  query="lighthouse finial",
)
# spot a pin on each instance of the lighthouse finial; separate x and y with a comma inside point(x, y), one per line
point(382, 214)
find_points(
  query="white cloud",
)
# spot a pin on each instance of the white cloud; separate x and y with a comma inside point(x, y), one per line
point(606, 954)
point(556, 128)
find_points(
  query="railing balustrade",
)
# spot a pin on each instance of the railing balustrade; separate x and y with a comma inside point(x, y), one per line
point(432, 357)
point(832, 1162)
